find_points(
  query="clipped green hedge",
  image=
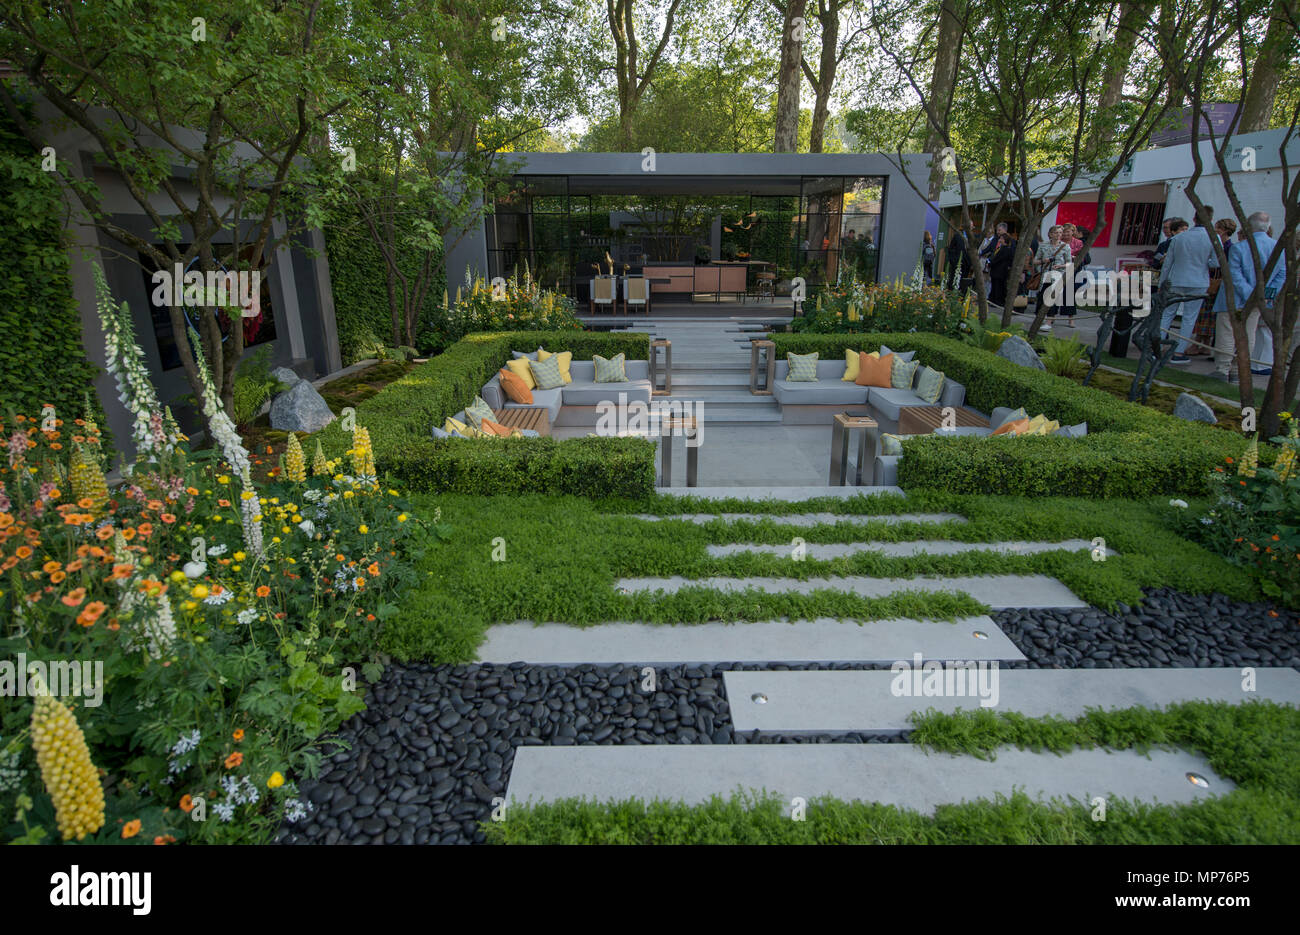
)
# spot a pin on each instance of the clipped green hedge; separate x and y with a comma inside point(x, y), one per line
point(42, 359)
point(400, 416)
point(1130, 450)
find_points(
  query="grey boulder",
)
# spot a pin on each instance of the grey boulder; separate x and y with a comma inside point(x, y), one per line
point(300, 409)
point(286, 376)
point(1194, 409)
point(1017, 350)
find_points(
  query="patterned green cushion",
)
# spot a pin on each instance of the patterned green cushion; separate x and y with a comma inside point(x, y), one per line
point(891, 444)
point(547, 373)
point(930, 385)
point(803, 368)
point(607, 371)
point(900, 377)
point(478, 410)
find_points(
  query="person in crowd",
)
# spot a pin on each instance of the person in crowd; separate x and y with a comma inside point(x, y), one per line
point(1050, 259)
point(1207, 324)
point(927, 256)
point(1184, 283)
point(1241, 272)
point(958, 263)
point(1169, 228)
point(1070, 234)
point(1000, 257)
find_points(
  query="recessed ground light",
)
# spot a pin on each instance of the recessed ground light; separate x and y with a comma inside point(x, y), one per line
point(980, 635)
point(758, 698)
point(1197, 779)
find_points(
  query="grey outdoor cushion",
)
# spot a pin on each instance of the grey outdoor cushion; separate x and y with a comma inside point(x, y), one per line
point(887, 470)
point(492, 393)
point(550, 399)
point(887, 401)
point(952, 394)
point(821, 393)
point(1073, 431)
point(584, 371)
point(979, 431)
point(826, 370)
point(593, 394)
point(904, 356)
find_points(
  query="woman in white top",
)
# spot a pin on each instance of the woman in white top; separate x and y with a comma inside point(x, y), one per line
point(1050, 260)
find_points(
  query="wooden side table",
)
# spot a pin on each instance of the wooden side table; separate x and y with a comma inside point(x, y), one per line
point(537, 418)
point(687, 429)
point(842, 426)
point(668, 367)
point(755, 348)
point(922, 420)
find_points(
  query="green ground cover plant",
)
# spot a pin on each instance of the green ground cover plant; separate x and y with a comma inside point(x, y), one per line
point(1256, 745)
point(563, 556)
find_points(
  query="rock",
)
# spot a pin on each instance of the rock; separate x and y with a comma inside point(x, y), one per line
point(300, 409)
point(286, 376)
point(1194, 409)
point(1017, 350)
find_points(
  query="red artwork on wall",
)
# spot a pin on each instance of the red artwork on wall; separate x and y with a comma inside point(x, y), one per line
point(1084, 214)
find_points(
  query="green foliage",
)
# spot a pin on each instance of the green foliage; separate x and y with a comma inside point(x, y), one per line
point(358, 281)
point(254, 384)
point(1257, 745)
point(1063, 356)
point(42, 360)
point(854, 307)
point(1130, 450)
point(1254, 521)
point(523, 305)
point(568, 580)
point(401, 415)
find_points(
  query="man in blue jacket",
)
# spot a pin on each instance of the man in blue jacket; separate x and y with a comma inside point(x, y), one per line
point(1241, 269)
point(1185, 281)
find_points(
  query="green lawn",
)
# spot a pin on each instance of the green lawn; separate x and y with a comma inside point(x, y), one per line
point(1255, 745)
point(562, 556)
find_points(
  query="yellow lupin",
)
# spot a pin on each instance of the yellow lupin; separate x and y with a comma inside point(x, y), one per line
point(66, 768)
point(295, 464)
point(319, 466)
point(363, 455)
point(1250, 460)
point(87, 481)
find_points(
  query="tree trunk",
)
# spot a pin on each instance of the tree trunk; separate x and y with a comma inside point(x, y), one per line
point(942, 83)
point(828, 14)
point(789, 79)
point(1261, 89)
point(1120, 53)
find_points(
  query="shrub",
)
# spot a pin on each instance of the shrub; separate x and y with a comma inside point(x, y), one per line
point(254, 384)
point(858, 308)
point(1062, 356)
point(1130, 451)
point(401, 415)
point(522, 305)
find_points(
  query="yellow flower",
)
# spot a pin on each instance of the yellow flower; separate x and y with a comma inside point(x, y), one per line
point(199, 592)
point(223, 479)
point(177, 576)
point(66, 768)
point(363, 529)
point(401, 517)
point(275, 539)
point(239, 556)
point(276, 781)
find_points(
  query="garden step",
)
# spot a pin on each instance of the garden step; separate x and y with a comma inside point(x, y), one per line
point(730, 395)
point(832, 701)
point(805, 519)
point(733, 364)
point(821, 640)
point(1000, 592)
point(892, 774)
point(892, 549)
point(741, 412)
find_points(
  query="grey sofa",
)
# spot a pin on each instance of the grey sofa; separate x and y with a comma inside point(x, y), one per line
point(575, 403)
point(819, 401)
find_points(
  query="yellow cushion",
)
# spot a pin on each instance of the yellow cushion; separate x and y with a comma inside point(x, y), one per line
point(565, 358)
point(851, 363)
point(455, 425)
point(1036, 426)
point(1051, 427)
point(519, 367)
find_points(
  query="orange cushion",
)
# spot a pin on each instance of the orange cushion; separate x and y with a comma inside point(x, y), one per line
point(488, 427)
point(515, 388)
point(874, 371)
point(1012, 428)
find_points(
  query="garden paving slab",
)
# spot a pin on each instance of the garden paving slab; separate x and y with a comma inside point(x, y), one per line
point(807, 519)
point(904, 549)
point(894, 774)
point(997, 591)
point(820, 640)
point(864, 701)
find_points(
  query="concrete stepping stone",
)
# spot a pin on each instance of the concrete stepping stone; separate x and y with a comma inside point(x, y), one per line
point(807, 519)
point(905, 549)
point(784, 494)
point(831, 701)
point(997, 591)
point(821, 640)
point(893, 774)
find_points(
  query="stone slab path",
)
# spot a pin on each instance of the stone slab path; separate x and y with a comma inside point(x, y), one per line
point(806, 519)
point(907, 549)
point(892, 774)
point(820, 640)
point(822, 701)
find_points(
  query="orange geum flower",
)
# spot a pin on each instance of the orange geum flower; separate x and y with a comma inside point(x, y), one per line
point(145, 529)
point(104, 534)
point(86, 503)
point(164, 839)
point(223, 502)
point(154, 505)
point(263, 591)
point(131, 828)
point(23, 552)
point(6, 520)
point(91, 612)
point(75, 566)
point(74, 597)
point(51, 566)
point(168, 518)
point(121, 572)
point(238, 734)
point(57, 576)
point(128, 533)
point(235, 759)
point(186, 803)
point(374, 568)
